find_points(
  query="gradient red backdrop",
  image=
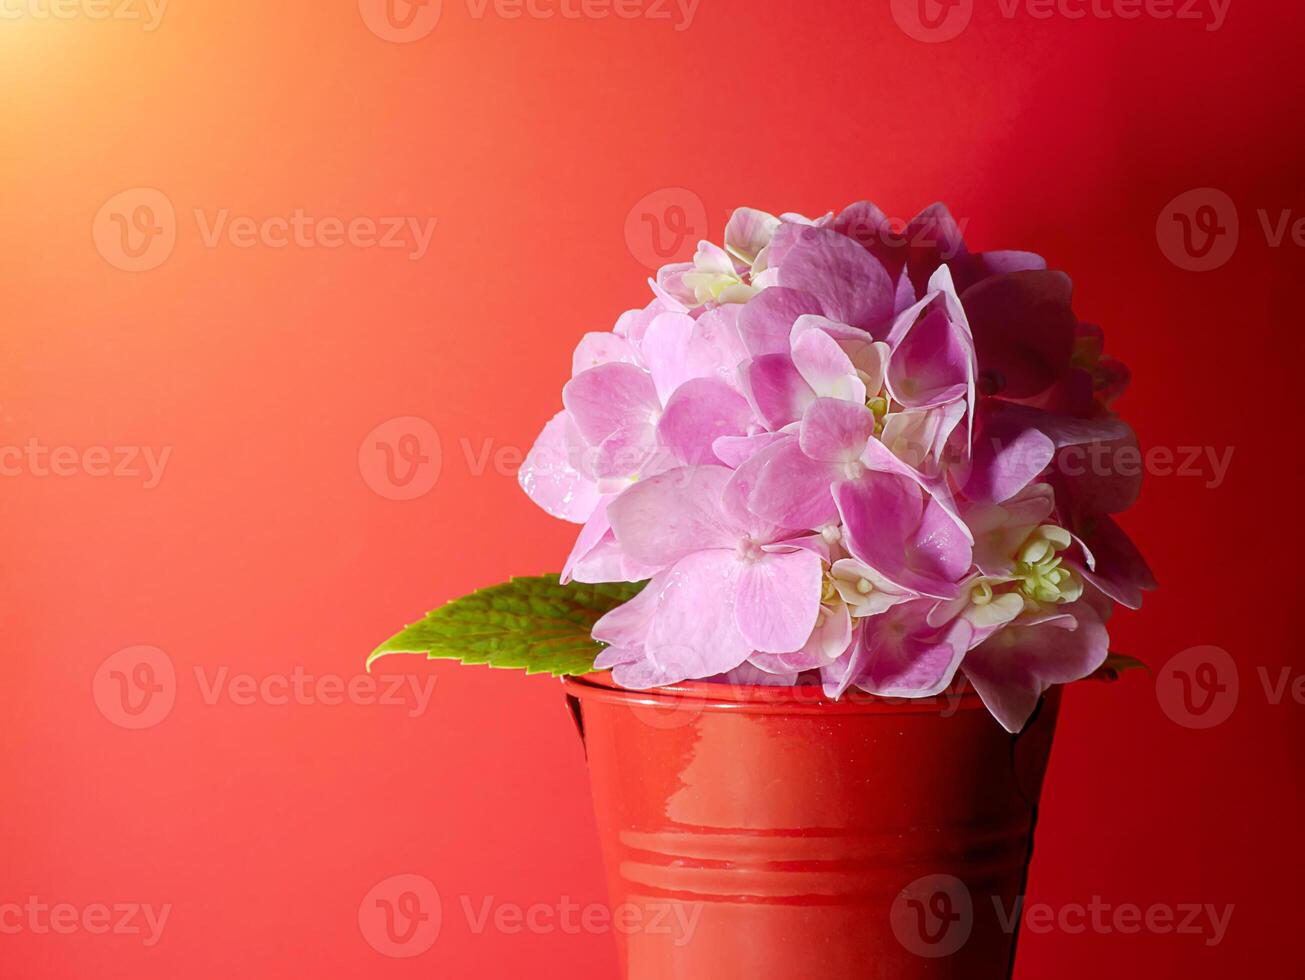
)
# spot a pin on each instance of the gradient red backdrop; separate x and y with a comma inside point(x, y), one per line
point(268, 544)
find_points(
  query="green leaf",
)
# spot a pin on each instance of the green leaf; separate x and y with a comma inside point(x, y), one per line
point(1118, 664)
point(532, 623)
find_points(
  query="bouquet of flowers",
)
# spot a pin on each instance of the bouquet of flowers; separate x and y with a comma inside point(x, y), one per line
point(834, 452)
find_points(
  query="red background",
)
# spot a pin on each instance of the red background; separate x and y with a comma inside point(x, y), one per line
point(264, 549)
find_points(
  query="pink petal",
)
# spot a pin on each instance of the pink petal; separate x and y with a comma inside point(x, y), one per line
point(600, 348)
point(551, 481)
point(903, 656)
point(932, 364)
point(715, 348)
point(741, 491)
point(749, 674)
point(1007, 458)
point(1014, 667)
point(1120, 570)
point(734, 451)
point(879, 457)
point(919, 437)
point(614, 656)
point(666, 352)
point(888, 526)
point(778, 601)
point(836, 431)
point(828, 641)
point(701, 411)
point(1000, 529)
point(852, 286)
point(749, 231)
point(669, 287)
point(932, 238)
point(776, 390)
point(624, 456)
point(660, 520)
point(606, 562)
point(825, 366)
point(628, 623)
point(595, 529)
point(1023, 330)
point(693, 633)
point(766, 320)
point(633, 324)
point(610, 397)
point(646, 673)
point(793, 490)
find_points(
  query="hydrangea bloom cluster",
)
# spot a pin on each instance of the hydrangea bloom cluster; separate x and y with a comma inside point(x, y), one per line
point(842, 453)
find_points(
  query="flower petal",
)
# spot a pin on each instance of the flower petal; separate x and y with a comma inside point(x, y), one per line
point(1014, 667)
point(836, 431)
point(660, 520)
point(1023, 330)
point(776, 390)
point(778, 601)
point(932, 364)
point(890, 525)
point(551, 481)
point(903, 656)
point(610, 397)
point(825, 366)
point(852, 286)
point(793, 490)
point(701, 411)
point(693, 632)
point(600, 348)
point(766, 321)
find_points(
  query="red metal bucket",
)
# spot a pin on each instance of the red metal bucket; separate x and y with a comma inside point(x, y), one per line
point(770, 834)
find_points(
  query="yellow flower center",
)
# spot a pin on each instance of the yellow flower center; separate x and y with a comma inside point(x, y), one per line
point(1039, 567)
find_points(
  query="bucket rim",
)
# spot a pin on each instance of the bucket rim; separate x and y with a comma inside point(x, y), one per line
point(800, 699)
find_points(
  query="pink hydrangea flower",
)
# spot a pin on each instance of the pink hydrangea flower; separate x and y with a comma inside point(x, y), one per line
point(840, 452)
